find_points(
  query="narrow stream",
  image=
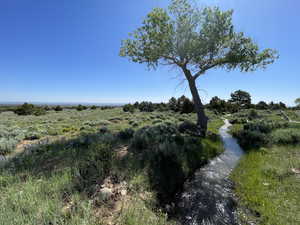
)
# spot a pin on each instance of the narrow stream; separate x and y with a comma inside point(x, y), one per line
point(208, 198)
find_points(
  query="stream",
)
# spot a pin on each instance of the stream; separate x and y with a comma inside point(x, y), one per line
point(208, 198)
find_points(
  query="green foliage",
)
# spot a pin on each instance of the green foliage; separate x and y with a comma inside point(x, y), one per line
point(126, 133)
point(128, 108)
point(188, 127)
point(297, 101)
point(262, 105)
point(217, 105)
point(182, 105)
point(241, 98)
point(95, 166)
point(150, 136)
point(81, 107)
point(256, 134)
point(93, 107)
point(146, 107)
point(286, 136)
point(58, 108)
point(186, 35)
point(253, 114)
point(173, 104)
point(30, 109)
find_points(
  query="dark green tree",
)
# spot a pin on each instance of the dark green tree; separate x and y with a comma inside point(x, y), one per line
point(241, 98)
point(262, 105)
point(217, 104)
point(58, 108)
point(173, 104)
point(297, 101)
point(195, 41)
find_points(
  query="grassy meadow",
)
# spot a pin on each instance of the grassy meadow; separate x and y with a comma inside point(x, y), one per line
point(99, 166)
point(267, 179)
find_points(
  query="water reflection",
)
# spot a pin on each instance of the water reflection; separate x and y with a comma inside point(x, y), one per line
point(208, 198)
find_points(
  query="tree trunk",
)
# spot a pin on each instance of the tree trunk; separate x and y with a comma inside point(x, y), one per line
point(202, 119)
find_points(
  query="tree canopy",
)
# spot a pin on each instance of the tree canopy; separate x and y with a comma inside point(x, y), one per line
point(241, 98)
point(198, 39)
point(194, 40)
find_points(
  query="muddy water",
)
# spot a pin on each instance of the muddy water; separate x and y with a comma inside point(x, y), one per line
point(208, 198)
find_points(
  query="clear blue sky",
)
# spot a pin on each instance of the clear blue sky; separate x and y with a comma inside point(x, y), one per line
point(67, 51)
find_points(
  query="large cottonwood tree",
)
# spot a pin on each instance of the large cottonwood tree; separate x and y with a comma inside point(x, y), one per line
point(195, 41)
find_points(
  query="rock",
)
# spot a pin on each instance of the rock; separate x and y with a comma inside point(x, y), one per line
point(123, 192)
point(105, 193)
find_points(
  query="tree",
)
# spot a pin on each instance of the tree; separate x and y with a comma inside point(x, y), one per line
point(81, 107)
point(217, 104)
point(93, 107)
point(297, 102)
point(195, 41)
point(241, 98)
point(58, 108)
point(262, 105)
point(185, 105)
point(173, 104)
point(30, 109)
point(128, 108)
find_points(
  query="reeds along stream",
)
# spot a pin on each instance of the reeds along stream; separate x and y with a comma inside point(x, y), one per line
point(208, 198)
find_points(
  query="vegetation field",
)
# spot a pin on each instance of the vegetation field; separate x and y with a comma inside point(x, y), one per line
point(99, 166)
point(267, 179)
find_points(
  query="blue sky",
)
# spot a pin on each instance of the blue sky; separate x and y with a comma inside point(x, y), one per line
point(67, 51)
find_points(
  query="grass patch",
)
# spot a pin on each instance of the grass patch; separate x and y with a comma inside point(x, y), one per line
point(266, 184)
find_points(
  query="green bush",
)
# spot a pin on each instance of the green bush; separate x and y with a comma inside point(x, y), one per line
point(126, 134)
point(253, 114)
point(252, 138)
point(188, 127)
point(81, 107)
point(150, 136)
point(29, 109)
point(7, 145)
point(128, 108)
point(93, 107)
point(58, 108)
point(286, 136)
point(166, 175)
point(95, 166)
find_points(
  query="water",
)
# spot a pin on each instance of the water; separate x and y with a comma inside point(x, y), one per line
point(208, 198)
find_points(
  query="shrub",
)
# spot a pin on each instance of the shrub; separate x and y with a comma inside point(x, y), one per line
point(253, 114)
point(32, 135)
point(286, 136)
point(39, 111)
point(238, 120)
point(264, 126)
point(186, 106)
point(128, 108)
point(7, 145)
point(166, 175)
point(149, 136)
point(95, 166)
point(188, 127)
point(146, 107)
point(103, 130)
point(93, 107)
point(25, 109)
point(81, 107)
point(58, 108)
point(126, 134)
point(255, 139)
point(29, 109)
